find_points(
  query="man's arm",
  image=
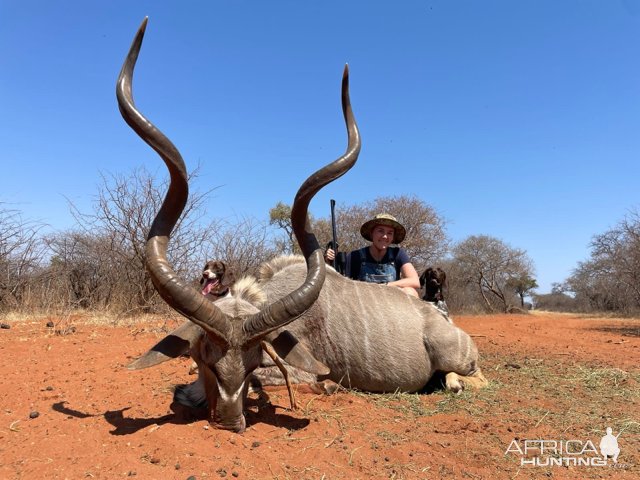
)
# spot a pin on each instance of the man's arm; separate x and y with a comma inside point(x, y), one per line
point(408, 277)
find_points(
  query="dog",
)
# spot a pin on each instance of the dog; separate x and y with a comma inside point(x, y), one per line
point(216, 280)
point(433, 280)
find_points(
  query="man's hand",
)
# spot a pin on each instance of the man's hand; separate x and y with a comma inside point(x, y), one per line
point(329, 255)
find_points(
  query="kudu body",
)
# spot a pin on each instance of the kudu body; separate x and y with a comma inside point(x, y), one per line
point(226, 337)
point(373, 337)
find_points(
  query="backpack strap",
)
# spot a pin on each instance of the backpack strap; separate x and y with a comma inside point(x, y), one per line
point(362, 255)
point(393, 253)
point(353, 265)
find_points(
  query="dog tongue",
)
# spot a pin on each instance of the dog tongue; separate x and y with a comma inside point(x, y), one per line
point(209, 286)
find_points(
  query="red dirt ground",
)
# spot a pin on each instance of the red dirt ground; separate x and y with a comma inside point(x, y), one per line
point(556, 377)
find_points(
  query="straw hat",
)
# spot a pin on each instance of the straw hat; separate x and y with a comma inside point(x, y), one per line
point(384, 219)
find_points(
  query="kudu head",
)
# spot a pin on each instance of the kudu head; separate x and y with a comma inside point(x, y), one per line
point(234, 330)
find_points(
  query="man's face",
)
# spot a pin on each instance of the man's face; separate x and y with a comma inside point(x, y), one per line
point(382, 236)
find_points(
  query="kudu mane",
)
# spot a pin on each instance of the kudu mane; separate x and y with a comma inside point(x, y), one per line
point(268, 269)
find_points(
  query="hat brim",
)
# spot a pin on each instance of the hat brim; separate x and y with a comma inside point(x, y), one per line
point(399, 231)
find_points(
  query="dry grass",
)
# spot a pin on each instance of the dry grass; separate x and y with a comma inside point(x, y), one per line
point(559, 396)
point(86, 317)
point(591, 316)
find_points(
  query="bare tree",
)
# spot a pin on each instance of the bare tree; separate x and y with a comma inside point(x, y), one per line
point(243, 245)
point(493, 267)
point(123, 211)
point(83, 273)
point(616, 253)
point(462, 294)
point(594, 286)
point(610, 279)
point(21, 254)
point(426, 239)
point(555, 301)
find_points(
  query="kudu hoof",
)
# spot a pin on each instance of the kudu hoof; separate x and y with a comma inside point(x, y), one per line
point(325, 387)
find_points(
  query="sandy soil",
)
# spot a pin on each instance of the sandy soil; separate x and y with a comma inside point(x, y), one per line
point(70, 409)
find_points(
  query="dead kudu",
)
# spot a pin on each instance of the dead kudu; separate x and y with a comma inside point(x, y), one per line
point(226, 338)
point(371, 337)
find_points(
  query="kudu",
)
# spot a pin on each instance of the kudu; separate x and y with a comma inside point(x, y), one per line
point(371, 337)
point(226, 338)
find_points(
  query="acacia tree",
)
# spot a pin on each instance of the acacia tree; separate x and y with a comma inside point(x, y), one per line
point(280, 216)
point(493, 267)
point(523, 285)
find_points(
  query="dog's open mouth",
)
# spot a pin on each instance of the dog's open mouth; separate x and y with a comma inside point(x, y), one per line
point(209, 285)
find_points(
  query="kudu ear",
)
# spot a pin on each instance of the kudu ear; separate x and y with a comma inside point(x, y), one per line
point(296, 354)
point(173, 345)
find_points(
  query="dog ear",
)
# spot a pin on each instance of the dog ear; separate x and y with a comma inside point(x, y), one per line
point(425, 275)
point(442, 276)
point(202, 279)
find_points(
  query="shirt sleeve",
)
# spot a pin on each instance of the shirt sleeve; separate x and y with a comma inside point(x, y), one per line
point(401, 259)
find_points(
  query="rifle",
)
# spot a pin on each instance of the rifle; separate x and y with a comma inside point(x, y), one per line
point(334, 233)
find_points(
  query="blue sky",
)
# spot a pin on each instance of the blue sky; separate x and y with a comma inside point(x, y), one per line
point(516, 119)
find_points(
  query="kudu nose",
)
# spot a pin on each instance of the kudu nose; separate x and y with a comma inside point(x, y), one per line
point(237, 424)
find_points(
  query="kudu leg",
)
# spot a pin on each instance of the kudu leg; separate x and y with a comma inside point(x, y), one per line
point(276, 359)
point(212, 398)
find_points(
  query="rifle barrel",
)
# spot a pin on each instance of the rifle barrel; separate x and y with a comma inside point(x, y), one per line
point(334, 233)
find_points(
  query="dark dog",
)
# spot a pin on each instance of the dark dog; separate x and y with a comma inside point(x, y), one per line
point(216, 280)
point(433, 280)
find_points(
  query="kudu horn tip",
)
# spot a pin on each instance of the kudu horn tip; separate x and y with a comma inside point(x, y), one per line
point(140, 33)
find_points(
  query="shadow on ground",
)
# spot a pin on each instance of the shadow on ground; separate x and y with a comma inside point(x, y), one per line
point(259, 410)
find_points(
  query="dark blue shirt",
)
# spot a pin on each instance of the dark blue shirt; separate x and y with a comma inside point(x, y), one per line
point(362, 266)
